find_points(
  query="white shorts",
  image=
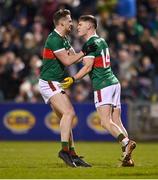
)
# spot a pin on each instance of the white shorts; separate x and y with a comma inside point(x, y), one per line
point(108, 95)
point(49, 89)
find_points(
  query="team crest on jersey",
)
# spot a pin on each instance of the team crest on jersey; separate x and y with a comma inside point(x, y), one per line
point(19, 121)
point(93, 122)
point(52, 122)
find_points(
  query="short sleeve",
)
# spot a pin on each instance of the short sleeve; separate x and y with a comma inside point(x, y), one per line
point(55, 44)
point(91, 54)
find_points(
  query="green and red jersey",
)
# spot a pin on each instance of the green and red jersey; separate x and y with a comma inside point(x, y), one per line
point(101, 74)
point(52, 69)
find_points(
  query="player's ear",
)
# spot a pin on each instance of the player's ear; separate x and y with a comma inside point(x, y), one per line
point(61, 22)
point(89, 26)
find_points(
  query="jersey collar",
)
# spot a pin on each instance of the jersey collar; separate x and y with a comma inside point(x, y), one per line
point(94, 35)
point(58, 32)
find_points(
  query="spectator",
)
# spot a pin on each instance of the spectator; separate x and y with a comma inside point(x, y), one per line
point(131, 31)
point(126, 8)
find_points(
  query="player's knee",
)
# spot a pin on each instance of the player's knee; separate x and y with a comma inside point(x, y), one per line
point(105, 124)
point(70, 113)
point(117, 121)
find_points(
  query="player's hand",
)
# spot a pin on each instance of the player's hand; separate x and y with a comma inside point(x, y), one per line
point(68, 81)
point(90, 48)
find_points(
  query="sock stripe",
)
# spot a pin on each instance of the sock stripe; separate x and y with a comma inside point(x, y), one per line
point(65, 146)
point(120, 137)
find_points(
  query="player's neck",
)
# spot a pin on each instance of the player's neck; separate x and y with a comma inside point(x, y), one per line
point(89, 35)
point(60, 31)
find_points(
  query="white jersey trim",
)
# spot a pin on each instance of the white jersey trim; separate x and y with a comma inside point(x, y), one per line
point(88, 57)
point(94, 35)
point(58, 32)
point(59, 50)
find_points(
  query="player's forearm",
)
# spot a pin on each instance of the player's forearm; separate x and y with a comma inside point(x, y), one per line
point(72, 51)
point(74, 58)
point(82, 72)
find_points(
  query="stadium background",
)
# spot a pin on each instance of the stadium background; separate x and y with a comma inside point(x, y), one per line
point(131, 29)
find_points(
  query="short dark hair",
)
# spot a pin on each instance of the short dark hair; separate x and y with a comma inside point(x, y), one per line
point(61, 13)
point(89, 18)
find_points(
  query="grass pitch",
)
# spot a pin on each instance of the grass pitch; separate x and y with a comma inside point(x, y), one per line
point(30, 160)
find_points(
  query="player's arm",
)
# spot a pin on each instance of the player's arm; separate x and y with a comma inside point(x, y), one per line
point(68, 59)
point(88, 64)
point(56, 45)
point(72, 51)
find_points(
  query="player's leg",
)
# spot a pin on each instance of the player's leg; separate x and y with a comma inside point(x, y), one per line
point(105, 114)
point(128, 148)
point(61, 103)
point(53, 94)
point(71, 139)
point(105, 101)
point(72, 145)
point(116, 117)
point(116, 113)
point(77, 159)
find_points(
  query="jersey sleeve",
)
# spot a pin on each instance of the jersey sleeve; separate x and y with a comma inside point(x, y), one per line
point(55, 44)
point(90, 55)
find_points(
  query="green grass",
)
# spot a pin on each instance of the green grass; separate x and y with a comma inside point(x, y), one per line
point(39, 160)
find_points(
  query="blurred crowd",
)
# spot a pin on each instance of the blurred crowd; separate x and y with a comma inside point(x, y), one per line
point(130, 28)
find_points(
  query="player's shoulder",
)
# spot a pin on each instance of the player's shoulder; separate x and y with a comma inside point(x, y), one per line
point(96, 39)
point(92, 39)
point(101, 42)
point(53, 36)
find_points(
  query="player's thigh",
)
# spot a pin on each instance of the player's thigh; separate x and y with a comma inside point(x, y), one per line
point(116, 97)
point(49, 89)
point(62, 104)
point(104, 96)
point(56, 111)
point(116, 115)
point(104, 112)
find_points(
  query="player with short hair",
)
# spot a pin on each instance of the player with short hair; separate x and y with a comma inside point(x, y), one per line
point(105, 85)
point(57, 54)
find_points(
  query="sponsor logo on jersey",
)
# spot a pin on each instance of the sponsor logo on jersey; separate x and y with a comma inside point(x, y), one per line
point(52, 122)
point(93, 122)
point(19, 121)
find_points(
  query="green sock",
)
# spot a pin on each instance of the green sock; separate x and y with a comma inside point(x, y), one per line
point(120, 137)
point(123, 140)
point(72, 151)
point(65, 146)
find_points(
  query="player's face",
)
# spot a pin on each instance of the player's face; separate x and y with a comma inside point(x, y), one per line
point(68, 25)
point(82, 28)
